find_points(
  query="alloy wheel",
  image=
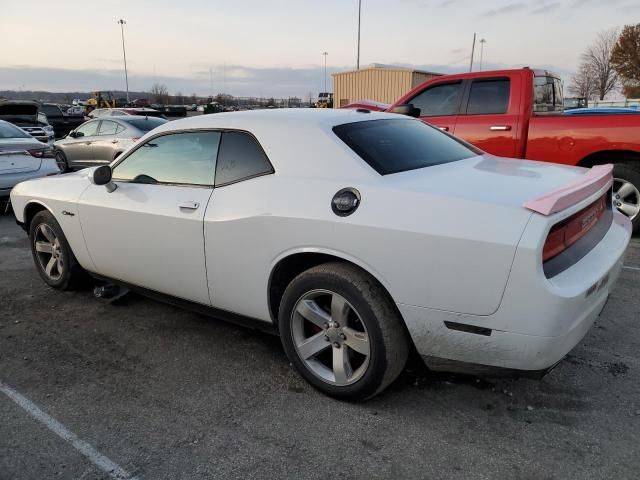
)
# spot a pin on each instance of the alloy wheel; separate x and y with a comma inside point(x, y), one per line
point(330, 337)
point(626, 197)
point(49, 252)
point(61, 162)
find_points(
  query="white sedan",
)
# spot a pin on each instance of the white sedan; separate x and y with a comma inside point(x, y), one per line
point(357, 236)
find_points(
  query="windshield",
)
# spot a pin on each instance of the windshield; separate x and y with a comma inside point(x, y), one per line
point(145, 124)
point(10, 131)
point(392, 146)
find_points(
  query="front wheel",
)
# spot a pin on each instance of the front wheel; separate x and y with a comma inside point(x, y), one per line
point(626, 191)
point(52, 254)
point(342, 332)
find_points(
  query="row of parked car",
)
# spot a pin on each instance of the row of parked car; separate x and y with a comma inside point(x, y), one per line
point(28, 133)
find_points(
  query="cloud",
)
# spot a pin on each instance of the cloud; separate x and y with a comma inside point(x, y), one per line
point(510, 8)
point(547, 7)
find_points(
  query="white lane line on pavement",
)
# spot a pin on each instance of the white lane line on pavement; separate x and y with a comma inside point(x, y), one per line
point(631, 268)
point(112, 469)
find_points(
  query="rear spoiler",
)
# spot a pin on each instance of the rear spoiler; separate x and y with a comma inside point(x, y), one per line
point(592, 181)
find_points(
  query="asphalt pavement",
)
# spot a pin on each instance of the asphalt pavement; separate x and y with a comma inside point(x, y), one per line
point(138, 389)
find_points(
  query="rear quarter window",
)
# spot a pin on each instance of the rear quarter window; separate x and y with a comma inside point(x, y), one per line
point(393, 146)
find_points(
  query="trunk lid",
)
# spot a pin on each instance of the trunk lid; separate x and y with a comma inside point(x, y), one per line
point(487, 179)
point(15, 156)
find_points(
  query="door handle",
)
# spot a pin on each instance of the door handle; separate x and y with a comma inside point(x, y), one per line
point(87, 143)
point(444, 129)
point(115, 140)
point(189, 205)
point(500, 128)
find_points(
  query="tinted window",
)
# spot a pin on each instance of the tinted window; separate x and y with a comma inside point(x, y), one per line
point(9, 131)
point(240, 157)
point(488, 96)
point(88, 129)
point(392, 146)
point(438, 100)
point(51, 110)
point(108, 128)
point(188, 158)
point(548, 95)
point(145, 124)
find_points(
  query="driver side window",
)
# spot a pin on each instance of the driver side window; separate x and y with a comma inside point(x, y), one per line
point(182, 158)
point(439, 100)
point(89, 129)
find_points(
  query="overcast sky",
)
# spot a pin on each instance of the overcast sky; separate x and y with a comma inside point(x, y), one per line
point(274, 47)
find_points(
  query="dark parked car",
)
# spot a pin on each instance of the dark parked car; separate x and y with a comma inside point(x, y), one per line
point(60, 121)
point(101, 140)
point(27, 115)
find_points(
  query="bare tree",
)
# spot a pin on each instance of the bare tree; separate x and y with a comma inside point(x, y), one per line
point(598, 59)
point(160, 92)
point(583, 83)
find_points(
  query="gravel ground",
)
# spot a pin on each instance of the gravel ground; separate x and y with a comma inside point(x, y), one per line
point(169, 394)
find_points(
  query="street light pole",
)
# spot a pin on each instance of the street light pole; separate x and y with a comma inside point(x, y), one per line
point(473, 49)
point(482, 42)
point(124, 54)
point(325, 70)
point(358, 57)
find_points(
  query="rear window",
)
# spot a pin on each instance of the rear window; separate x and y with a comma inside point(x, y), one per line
point(145, 124)
point(392, 146)
point(9, 131)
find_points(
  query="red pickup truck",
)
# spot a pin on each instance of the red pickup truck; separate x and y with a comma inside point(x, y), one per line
point(518, 114)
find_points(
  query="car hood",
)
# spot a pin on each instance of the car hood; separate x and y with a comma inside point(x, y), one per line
point(504, 182)
point(19, 113)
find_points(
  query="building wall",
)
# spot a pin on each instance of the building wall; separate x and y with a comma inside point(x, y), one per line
point(378, 84)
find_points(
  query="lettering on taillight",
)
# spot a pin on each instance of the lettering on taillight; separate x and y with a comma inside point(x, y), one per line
point(569, 231)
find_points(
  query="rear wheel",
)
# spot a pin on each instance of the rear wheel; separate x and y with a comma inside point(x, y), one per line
point(52, 255)
point(342, 332)
point(626, 191)
point(61, 161)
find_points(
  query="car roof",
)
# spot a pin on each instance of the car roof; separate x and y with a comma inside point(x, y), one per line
point(277, 118)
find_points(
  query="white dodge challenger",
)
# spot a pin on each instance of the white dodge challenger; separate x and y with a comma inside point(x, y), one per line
point(356, 236)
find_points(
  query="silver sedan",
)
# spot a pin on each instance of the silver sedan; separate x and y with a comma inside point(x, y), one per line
point(22, 157)
point(101, 140)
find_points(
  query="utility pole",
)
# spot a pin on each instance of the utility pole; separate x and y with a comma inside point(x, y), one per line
point(325, 70)
point(473, 49)
point(124, 54)
point(358, 57)
point(482, 42)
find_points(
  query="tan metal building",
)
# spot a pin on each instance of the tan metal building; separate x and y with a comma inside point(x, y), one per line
point(380, 83)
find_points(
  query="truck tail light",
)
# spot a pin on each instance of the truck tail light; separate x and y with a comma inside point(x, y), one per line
point(564, 234)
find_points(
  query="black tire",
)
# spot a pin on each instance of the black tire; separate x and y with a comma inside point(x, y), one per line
point(388, 339)
point(71, 274)
point(630, 171)
point(61, 161)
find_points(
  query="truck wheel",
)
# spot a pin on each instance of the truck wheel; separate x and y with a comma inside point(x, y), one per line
point(342, 332)
point(61, 161)
point(52, 254)
point(626, 191)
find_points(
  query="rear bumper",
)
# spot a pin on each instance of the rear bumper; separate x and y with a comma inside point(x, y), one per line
point(539, 321)
point(10, 180)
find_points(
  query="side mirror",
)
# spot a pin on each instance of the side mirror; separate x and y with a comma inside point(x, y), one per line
point(73, 134)
point(102, 176)
point(406, 109)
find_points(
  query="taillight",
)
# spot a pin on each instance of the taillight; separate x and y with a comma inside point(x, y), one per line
point(570, 230)
point(41, 153)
